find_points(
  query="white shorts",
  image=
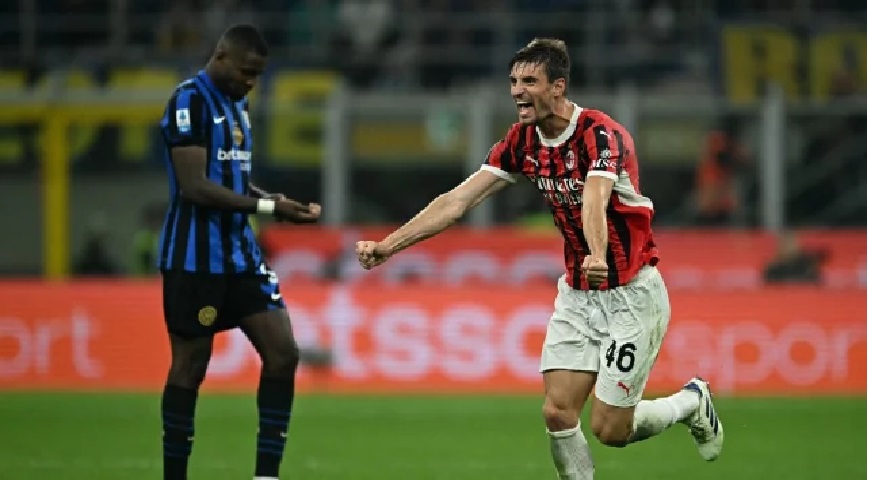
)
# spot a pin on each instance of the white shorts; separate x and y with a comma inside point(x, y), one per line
point(615, 333)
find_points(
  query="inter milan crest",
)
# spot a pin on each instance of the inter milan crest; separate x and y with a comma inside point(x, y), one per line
point(237, 136)
point(207, 315)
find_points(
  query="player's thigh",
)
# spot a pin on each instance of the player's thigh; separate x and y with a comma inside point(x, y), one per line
point(637, 315)
point(264, 319)
point(194, 304)
point(571, 354)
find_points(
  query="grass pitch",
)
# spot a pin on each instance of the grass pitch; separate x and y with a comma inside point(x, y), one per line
point(112, 436)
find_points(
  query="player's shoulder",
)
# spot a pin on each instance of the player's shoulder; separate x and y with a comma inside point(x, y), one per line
point(519, 131)
point(187, 89)
point(590, 118)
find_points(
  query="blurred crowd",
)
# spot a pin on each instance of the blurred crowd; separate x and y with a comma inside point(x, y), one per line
point(428, 43)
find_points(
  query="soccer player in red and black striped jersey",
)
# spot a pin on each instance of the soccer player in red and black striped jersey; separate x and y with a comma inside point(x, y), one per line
point(612, 307)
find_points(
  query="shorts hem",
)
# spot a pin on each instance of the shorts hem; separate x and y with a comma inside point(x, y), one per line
point(626, 404)
point(567, 368)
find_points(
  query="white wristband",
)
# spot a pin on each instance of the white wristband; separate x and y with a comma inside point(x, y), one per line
point(264, 205)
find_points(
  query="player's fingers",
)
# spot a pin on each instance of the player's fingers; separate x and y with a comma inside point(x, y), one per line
point(363, 250)
point(367, 248)
point(307, 216)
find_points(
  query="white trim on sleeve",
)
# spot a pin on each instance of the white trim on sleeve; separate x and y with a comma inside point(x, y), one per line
point(500, 173)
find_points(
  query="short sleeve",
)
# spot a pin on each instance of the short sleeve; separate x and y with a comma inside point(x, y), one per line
point(604, 147)
point(183, 122)
point(501, 159)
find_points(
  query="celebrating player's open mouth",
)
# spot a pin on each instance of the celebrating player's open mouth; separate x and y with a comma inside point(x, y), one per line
point(526, 109)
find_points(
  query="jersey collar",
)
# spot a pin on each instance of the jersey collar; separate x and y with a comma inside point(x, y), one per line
point(571, 127)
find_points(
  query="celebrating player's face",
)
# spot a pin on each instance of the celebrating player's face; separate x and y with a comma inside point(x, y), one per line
point(532, 91)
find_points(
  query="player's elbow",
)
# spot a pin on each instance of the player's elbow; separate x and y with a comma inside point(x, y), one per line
point(193, 190)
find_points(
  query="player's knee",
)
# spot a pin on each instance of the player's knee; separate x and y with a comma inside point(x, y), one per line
point(188, 372)
point(559, 414)
point(281, 362)
point(611, 433)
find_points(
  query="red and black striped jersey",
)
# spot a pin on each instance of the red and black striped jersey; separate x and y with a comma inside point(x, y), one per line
point(592, 144)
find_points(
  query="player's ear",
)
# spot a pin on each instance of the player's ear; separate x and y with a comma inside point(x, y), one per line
point(558, 87)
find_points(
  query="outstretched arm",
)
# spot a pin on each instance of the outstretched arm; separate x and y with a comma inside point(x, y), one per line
point(442, 212)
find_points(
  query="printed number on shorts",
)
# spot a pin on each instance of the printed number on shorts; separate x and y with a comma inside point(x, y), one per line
point(625, 358)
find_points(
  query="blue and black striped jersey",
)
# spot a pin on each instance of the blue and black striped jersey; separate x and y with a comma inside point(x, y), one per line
point(196, 238)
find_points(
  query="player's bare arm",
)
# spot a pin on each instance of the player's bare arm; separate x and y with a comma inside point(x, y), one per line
point(189, 163)
point(595, 197)
point(442, 212)
point(258, 192)
point(312, 209)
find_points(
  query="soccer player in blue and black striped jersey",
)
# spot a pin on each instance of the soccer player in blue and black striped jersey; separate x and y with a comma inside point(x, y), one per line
point(214, 275)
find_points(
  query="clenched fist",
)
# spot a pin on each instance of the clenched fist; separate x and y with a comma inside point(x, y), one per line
point(595, 270)
point(371, 254)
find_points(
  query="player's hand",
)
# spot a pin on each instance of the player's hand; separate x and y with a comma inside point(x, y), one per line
point(296, 212)
point(595, 270)
point(275, 196)
point(371, 254)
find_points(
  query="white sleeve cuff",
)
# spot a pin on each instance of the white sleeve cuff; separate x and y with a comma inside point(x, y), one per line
point(603, 173)
point(500, 173)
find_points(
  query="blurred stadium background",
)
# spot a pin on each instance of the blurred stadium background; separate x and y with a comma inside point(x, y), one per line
point(750, 121)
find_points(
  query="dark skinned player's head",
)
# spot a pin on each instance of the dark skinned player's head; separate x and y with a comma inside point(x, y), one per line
point(539, 76)
point(238, 60)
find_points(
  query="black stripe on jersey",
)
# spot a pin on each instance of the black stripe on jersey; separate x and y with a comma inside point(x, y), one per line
point(202, 240)
point(202, 245)
point(567, 218)
point(521, 144)
point(203, 230)
point(612, 274)
point(226, 182)
point(586, 124)
point(506, 153)
point(621, 154)
point(245, 178)
point(182, 235)
point(620, 225)
point(171, 219)
point(617, 220)
point(602, 142)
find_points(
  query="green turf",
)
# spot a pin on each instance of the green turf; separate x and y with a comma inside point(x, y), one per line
point(93, 437)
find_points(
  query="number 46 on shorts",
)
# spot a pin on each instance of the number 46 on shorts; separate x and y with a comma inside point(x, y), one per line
point(623, 356)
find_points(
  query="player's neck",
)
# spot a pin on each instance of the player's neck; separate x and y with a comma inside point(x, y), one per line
point(553, 125)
